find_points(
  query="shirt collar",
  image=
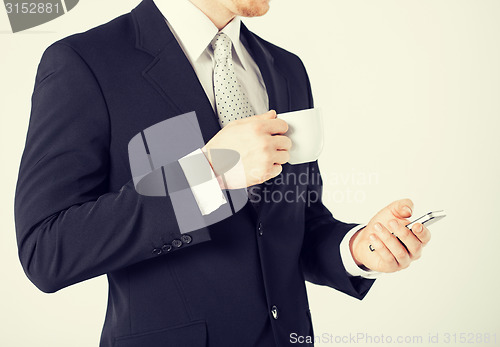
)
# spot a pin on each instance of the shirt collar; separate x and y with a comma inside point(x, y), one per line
point(195, 30)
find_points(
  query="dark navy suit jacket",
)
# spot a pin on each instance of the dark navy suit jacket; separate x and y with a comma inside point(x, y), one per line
point(239, 282)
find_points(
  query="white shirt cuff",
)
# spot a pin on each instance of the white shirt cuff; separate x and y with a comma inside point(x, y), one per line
point(347, 259)
point(208, 195)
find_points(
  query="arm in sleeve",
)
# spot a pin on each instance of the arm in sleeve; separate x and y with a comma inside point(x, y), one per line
point(69, 226)
point(321, 257)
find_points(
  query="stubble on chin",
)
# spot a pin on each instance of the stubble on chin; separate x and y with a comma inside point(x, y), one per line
point(252, 8)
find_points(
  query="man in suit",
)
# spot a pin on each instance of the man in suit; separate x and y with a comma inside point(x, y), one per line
point(239, 282)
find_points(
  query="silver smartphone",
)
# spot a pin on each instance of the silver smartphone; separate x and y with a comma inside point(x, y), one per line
point(428, 219)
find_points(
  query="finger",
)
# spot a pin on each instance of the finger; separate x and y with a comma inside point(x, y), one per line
point(281, 142)
point(275, 171)
point(275, 126)
point(281, 157)
point(422, 233)
point(401, 208)
point(382, 251)
point(393, 245)
point(410, 241)
point(271, 114)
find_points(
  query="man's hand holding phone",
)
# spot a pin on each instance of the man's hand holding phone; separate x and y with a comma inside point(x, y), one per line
point(386, 244)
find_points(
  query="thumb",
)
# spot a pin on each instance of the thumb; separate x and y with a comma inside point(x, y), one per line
point(401, 208)
point(268, 115)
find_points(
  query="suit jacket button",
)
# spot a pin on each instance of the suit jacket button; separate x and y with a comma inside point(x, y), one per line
point(157, 251)
point(176, 243)
point(274, 312)
point(166, 248)
point(186, 238)
point(260, 229)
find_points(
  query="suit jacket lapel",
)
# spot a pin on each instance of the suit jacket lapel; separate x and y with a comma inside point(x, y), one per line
point(173, 76)
point(274, 79)
point(170, 72)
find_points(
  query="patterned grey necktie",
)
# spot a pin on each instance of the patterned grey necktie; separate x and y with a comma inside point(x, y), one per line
point(231, 101)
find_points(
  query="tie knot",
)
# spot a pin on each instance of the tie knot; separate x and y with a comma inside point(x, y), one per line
point(222, 46)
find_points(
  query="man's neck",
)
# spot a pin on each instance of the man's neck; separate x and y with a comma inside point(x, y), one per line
point(216, 12)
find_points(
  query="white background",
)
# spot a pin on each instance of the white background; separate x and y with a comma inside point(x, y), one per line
point(411, 97)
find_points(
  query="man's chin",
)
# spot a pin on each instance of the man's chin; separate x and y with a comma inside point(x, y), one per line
point(255, 8)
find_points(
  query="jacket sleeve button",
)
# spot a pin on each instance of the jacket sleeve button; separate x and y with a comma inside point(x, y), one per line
point(186, 238)
point(166, 248)
point(157, 251)
point(176, 243)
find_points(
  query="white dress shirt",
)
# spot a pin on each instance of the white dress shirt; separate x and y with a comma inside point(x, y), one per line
point(194, 32)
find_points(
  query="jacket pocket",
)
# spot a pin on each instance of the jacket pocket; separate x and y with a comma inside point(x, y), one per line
point(193, 334)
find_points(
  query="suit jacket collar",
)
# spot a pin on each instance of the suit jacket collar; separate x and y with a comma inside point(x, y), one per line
point(150, 28)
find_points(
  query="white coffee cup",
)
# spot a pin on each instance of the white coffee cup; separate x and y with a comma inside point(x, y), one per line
point(305, 129)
